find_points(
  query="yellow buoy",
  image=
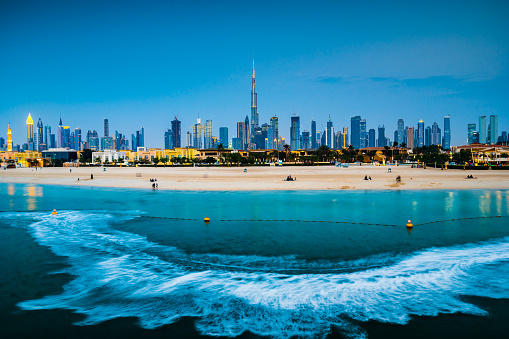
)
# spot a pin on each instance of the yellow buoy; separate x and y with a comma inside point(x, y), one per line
point(207, 220)
point(54, 212)
point(409, 224)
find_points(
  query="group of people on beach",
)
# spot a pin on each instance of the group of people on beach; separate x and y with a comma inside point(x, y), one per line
point(367, 178)
point(290, 178)
point(154, 183)
point(470, 176)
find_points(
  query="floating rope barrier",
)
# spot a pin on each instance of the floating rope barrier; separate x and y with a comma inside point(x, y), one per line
point(321, 221)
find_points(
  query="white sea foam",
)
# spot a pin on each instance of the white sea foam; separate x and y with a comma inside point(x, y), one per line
point(120, 274)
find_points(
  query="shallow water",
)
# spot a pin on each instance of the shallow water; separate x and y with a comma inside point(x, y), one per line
point(271, 278)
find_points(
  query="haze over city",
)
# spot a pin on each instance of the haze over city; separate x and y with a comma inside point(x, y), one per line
point(140, 66)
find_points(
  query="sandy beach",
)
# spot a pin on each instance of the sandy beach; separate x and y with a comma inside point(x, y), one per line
point(262, 178)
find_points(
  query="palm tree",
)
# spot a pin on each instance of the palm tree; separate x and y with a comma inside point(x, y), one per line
point(220, 150)
point(287, 150)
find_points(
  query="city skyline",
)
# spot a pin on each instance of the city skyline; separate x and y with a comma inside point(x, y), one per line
point(451, 61)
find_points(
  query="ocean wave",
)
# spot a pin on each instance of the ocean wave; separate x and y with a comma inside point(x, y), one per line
point(122, 274)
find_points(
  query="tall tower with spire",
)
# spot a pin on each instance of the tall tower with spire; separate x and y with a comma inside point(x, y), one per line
point(30, 129)
point(9, 138)
point(254, 107)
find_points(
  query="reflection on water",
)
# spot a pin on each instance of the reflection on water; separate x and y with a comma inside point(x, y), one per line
point(32, 192)
point(484, 204)
point(449, 202)
point(10, 190)
point(498, 202)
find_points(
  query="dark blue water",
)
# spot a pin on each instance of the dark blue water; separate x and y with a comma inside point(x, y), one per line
point(270, 278)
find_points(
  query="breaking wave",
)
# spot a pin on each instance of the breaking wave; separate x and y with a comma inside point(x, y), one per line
point(121, 274)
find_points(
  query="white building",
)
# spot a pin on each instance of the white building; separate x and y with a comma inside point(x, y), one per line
point(109, 155)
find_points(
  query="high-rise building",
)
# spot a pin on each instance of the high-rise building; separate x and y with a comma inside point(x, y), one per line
point(371, 137)
point(363, 134)
point(189, 139)
point(9, 138)
point(356, 132)
point(471, 130)
point(410, 137)
point(482, 129)
point(175, 133)
point(207, 134)
point(246, 137)
point(306, 142)
point(47, 137)
point(77, 139)
point(240, 136)
point(274, 123)
point(436, 135)
point(401, 132)
point(295, 132)
point(330, 134)
point(167, 140)
point(223, 136)
point(346, 141)
point(420, 134)
point(197, 132)
point(427, 136)
point(254, 108)
point(313, 135)
point(30, 130)
point(381, 136)
point(447, 132)
point(493, 129)
point(106, 128)
point(40, 136)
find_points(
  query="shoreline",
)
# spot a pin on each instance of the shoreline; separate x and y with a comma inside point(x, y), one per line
point(261, 178)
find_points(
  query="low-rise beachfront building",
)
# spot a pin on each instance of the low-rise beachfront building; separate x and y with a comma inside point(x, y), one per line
point(108, 157)
point(22, 159)
point(486, 154)
point(62, 154)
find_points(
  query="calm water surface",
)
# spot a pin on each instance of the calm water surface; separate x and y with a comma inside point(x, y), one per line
point(105, 259)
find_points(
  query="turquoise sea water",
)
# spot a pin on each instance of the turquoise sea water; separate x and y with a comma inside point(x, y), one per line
point(276, 277)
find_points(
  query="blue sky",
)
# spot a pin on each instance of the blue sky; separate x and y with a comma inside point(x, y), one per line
point(140, 63)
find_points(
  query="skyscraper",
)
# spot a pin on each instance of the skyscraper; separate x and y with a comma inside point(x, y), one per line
point(306, 144)
point(381, 136)
point(330, 134)
point(167, 139)
point(40, 136)
point(47, 137)
point(61, 142)
point(247, 135)
point(447, 132)
point(254, 107)
point(401, 132)
point(493, 129)
point(30, 130)
point(176, 133)
point(313, 134)
point(436, 134)
point(355, 139)
point(77, 139)
point(471, 130)
point(295, 133)
point(189, 138)
point(363, 135)
point(274, 122)
point(223, 136)
point(420, 133)
point(207, 134)
point(427, 136)
point(482, 129)
point(371, 137)
point(197, 128)
point(106, 128)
